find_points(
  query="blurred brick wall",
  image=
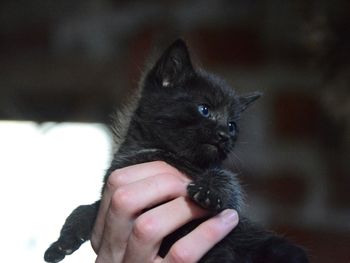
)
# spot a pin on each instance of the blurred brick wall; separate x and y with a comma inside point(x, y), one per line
point(64, 61)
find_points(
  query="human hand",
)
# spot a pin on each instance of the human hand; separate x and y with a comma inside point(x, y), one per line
point(125, 232)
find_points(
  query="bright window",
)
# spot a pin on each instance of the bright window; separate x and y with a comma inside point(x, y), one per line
point(46, 171)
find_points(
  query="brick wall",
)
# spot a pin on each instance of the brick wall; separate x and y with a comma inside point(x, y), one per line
point(63, 61)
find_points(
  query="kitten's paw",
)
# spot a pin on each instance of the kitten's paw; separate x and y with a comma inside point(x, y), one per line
point(204, 196)
point(62, 247)
point(75, 231)
point(216, 190)
point(54, 253)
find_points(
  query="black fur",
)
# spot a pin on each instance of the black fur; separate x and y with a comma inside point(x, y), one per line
point(168, 124)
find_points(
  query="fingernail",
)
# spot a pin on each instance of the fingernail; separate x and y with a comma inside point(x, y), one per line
point(229, 217)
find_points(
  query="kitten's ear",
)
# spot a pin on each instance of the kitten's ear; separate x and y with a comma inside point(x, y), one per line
point(174, 65)
point(248, 99)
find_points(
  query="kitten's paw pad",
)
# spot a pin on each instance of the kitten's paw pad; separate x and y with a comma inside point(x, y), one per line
point(204, 197)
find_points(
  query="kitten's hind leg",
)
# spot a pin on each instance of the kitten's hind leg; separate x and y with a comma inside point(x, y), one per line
point(75, 231)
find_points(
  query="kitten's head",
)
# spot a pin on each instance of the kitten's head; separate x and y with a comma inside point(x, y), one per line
point(189, 112)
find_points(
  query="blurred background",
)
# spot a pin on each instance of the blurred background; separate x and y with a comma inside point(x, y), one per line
point(66, 65)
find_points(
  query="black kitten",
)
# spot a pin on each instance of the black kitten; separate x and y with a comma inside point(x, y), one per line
point(187, 118)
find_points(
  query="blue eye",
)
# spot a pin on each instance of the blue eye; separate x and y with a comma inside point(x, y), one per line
point(204, 110)
point(232, 127)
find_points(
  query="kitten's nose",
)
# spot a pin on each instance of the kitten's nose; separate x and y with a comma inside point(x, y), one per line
point(223, 136)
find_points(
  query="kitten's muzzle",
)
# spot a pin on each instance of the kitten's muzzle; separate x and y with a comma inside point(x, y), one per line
point(218, 148)
point(223, 136)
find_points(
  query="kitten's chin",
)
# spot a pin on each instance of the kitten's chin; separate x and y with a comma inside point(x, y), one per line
point(211, 149)
point(211, 153)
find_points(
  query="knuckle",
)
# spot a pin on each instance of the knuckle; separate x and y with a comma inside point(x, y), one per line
point(115, 180)
point(121, 200)
point(145, 228)
point(170, 171)
point(163, 166)
point(180, 254)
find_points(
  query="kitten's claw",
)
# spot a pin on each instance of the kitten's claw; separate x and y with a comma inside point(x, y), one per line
point(196, 196)
point(219, 206)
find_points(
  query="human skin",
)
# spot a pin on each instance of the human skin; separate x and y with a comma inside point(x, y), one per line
point(126, 230)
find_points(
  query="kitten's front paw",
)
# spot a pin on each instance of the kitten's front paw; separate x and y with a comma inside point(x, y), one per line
point(216, 190)
point(204, 196)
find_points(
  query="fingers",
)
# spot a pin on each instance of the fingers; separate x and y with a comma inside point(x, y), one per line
point(128, 201)
point(125, 232)
point(195, 245)
point(141, 171)
point(122, 177)
point(152, 226)
point(135, 197)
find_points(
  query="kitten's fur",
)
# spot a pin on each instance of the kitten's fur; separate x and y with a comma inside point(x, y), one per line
point(170, 123)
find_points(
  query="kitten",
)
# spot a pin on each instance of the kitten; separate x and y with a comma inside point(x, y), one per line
point(189, 119)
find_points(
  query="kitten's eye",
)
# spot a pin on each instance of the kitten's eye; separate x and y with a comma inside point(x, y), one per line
point(232, 127)
point(204, 110)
